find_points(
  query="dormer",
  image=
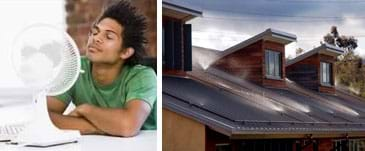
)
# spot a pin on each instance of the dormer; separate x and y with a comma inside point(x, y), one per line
point(315, 68)
point(176, 36)
point(260, 59)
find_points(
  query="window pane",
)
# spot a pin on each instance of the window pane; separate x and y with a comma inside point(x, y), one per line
point(272, 63)
point(324, 72)
point(277, 64)
point(328, 73)
point(267, 62)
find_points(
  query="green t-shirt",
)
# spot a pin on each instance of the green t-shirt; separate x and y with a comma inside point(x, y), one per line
point(134, 82)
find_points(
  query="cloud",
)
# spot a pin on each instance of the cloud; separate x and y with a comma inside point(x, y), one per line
point(217, 39)
point(225, 24)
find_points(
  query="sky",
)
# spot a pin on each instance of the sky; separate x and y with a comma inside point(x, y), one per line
point(226, 23)
point(16, 15)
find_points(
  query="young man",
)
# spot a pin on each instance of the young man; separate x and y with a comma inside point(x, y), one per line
point(114, 96)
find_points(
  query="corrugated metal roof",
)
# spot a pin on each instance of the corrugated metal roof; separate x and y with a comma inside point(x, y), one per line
point(234, 107)
point(218, 101)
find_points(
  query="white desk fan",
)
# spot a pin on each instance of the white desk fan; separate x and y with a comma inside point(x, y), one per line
point(47, 60)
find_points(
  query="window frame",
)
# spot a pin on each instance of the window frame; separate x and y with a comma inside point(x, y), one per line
point(273, 64)
point(326, 73)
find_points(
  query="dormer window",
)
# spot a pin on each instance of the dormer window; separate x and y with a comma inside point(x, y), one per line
point(273, 64)
point(258, 59)
point(326, 73)
point(314, 69)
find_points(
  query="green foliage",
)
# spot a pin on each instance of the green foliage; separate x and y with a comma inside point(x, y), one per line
point(348, 43)
point(349, 71)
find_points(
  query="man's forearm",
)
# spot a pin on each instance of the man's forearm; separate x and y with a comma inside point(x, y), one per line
point(115, 124)
point(74, 123)
point(124, 122)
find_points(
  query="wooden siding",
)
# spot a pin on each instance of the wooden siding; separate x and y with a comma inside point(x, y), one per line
point(268, 45)
point(328, 59)
point(307, 72)
point(244, 63)
point(180, 133)
point(327, 89)
point(249, 63)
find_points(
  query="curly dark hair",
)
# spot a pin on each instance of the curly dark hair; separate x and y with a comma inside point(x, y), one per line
point(134, 25)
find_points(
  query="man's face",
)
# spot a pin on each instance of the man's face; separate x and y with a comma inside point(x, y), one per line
point(105, 42)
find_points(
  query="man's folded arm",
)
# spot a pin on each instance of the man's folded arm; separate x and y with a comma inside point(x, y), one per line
point(125, 122)
point(56, 109)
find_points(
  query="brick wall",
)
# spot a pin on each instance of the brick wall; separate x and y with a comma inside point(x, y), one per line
point(82, 13)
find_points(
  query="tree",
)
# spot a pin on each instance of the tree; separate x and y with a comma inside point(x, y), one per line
point(349, 71)
point(331, 37)
point(348, 43)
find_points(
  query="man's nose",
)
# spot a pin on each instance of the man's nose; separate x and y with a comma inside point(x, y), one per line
point(97, 38)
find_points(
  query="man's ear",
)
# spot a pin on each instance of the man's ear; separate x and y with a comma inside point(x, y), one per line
point(126, 53)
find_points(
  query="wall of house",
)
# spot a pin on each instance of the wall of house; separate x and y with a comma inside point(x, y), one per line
point(307, 72)
point(330, 59)
point(180, 133)
point(249, 63)
point(325, 145)
point(245, 63)
point(268, 45)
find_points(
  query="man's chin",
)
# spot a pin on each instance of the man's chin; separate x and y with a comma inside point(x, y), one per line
point(100, 59)
point(95, 59)
point(91, 57)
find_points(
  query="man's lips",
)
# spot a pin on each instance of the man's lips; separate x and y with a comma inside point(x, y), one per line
point(93, 49)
